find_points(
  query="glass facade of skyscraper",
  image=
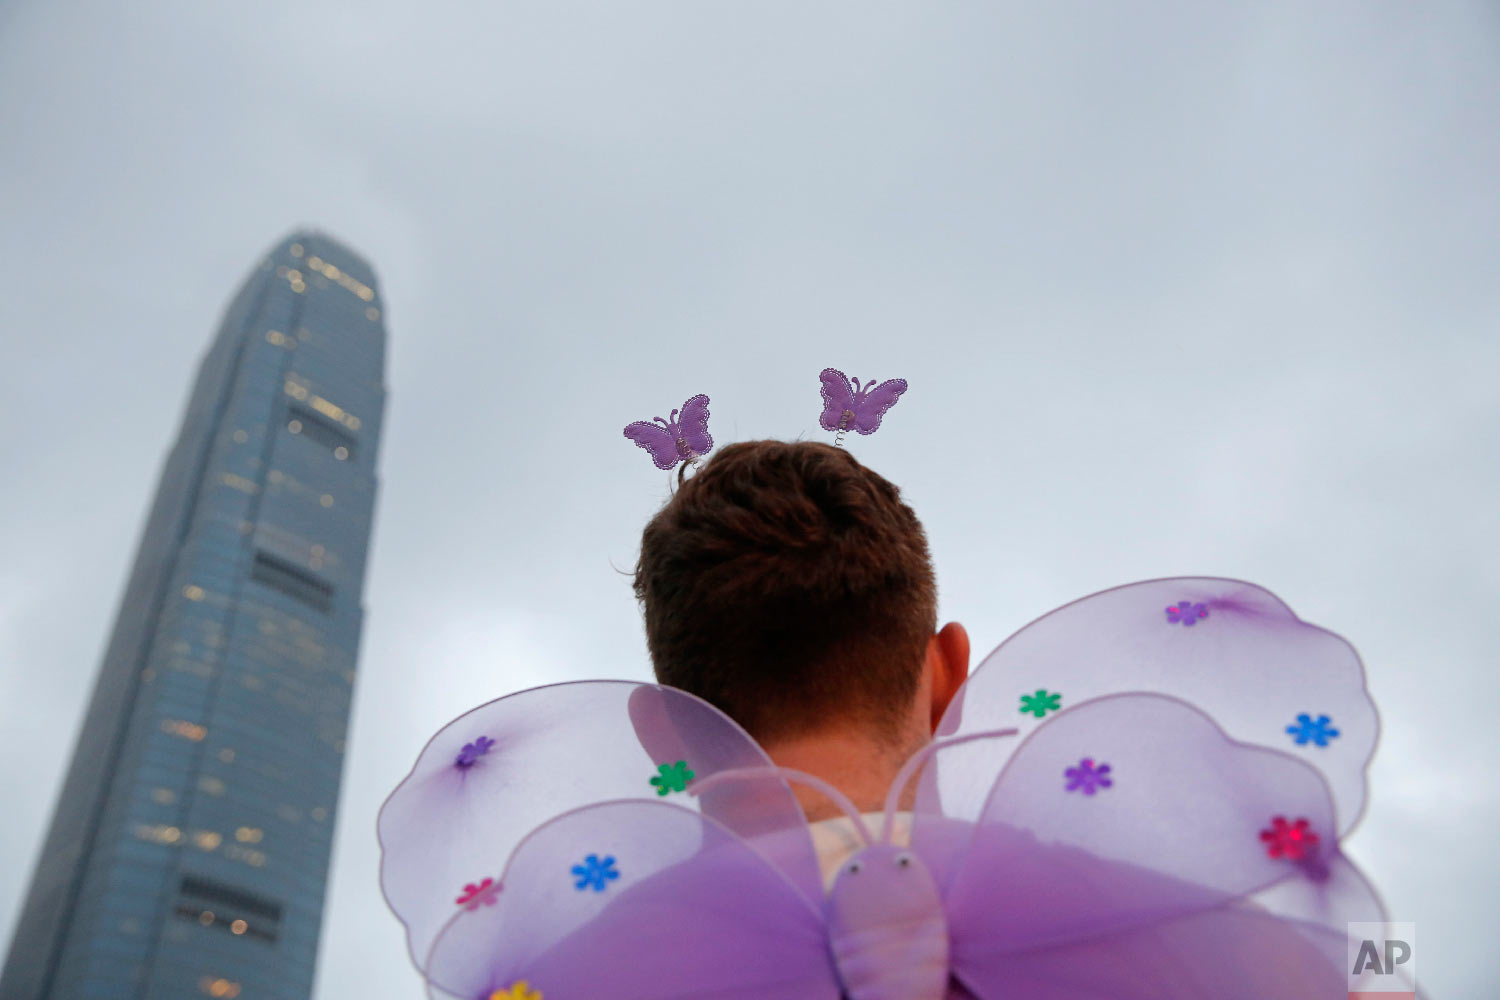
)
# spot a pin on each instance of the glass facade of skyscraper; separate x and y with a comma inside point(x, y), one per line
point(189, 850)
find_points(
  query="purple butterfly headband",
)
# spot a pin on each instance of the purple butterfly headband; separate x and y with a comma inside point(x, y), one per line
point(846, 406)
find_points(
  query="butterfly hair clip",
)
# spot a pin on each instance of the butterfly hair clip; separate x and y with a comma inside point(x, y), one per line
point(676, 438)
point(847, 405)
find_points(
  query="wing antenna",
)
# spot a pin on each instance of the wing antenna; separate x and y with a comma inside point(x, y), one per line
point(914, 762)
point(793, 776)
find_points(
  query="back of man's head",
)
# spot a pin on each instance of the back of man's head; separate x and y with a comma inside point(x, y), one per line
point(790, 587)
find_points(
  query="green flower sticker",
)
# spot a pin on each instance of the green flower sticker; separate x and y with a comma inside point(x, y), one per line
point(672, 777)
point(1041, 703)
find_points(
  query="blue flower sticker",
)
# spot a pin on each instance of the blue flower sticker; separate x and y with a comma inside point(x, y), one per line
point(1310, 730)
point(594, 873)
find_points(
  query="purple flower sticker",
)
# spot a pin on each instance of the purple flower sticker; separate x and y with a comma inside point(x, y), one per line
point(676, 438)
point(1087, 777)
point(1186, 612)
point(472, 752)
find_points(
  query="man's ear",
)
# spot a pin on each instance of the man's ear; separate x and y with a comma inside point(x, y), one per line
point(948, 666)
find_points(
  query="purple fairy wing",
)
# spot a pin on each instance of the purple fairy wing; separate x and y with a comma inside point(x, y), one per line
point(492, 776)
point(1338, 896)
point(1227, 647)
point(1226, 954)
point(873, 406)
point(693, 422)
point(638, 901)
point(671, 725)
point(1120, 848)
point(838, 396)
point(656, 440)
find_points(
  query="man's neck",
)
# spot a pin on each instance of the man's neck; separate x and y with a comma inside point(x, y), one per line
point(851, 762)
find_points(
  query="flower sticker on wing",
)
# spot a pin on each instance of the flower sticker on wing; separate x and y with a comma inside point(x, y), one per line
point(1087, 777)
point(1309, 730)
point(1293, 841)
point(595, 872)
point(1041, 703)
point(1186, 613)
point(672, 778)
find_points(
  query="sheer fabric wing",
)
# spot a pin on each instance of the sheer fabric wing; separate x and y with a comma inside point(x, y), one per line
point(1229, 648)
point(492, 776)
point(838, 396)
point(637, 901)
point(659, 444)
point(873, 407)
point(1128, 829)
point(694, 424)
point(1225, 954)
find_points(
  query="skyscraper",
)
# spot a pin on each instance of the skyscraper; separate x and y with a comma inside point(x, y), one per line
point(189, 848)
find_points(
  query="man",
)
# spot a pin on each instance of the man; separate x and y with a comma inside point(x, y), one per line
point(788, 585)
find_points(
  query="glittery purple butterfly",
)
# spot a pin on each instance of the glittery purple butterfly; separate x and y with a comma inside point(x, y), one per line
point(847, 406)
point(674, 440)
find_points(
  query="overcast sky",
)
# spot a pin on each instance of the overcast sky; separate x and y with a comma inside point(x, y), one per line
point(1179, 289)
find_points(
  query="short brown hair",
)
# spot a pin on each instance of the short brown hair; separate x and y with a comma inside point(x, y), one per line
point(786, 584)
